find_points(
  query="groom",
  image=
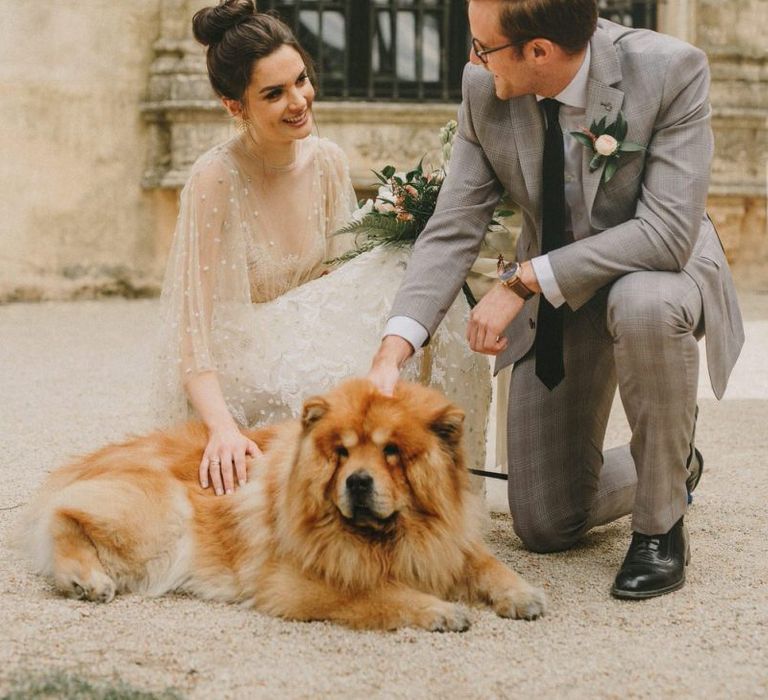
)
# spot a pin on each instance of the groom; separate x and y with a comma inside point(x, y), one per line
point(620, 271)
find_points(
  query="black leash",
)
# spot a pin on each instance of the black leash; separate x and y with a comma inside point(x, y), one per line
point(491, 475)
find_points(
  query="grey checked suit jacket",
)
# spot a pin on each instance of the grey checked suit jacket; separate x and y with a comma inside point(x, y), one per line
point(649, 216)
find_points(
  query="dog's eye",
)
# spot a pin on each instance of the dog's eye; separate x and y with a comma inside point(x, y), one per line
point(342, 452)
point(391, 450)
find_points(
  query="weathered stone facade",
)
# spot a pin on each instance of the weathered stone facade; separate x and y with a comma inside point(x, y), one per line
point(374, 134)
point(75, 218)
point(120, 141)
point(733, 33)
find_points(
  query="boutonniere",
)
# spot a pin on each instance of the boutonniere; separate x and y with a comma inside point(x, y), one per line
point(607, 144)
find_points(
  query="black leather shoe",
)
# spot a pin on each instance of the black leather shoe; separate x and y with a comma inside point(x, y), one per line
point(654, 565)
point(695, 463)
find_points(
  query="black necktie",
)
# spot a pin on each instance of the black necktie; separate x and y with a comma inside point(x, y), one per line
point(549, 327)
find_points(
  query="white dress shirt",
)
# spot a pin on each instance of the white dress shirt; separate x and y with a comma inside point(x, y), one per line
point(573, 99)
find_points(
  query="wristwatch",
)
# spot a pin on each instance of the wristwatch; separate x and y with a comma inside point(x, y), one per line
point(509, 276)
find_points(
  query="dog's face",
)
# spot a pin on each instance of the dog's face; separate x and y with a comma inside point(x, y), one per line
point(376, 462)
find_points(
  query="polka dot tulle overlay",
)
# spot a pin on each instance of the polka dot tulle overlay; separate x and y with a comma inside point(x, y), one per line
point(243, 295)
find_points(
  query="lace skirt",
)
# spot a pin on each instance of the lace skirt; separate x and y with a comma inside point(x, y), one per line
point(271, 356)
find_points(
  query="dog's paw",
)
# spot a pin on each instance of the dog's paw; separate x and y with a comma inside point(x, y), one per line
point(526, 603)
point(99, 588)
point(445, 617)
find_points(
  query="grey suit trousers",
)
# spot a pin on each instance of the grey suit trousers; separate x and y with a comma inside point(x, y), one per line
point(640, 333)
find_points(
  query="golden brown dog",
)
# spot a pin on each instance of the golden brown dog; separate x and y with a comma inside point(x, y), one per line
point(360, 513)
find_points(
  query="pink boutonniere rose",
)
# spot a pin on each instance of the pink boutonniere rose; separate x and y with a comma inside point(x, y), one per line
point(607, 142)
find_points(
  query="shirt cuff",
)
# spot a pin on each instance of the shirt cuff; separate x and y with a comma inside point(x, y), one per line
point(407, 328)
point(546, 279)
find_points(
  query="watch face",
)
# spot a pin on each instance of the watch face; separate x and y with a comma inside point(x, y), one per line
point(510, 270)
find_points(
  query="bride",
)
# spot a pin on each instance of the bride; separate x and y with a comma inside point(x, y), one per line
point(254, 322)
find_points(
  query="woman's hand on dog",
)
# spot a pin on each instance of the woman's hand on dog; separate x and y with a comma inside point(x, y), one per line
point(227, 447)
point(224, 457)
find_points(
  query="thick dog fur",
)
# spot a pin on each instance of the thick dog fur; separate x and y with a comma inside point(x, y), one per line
point(359, 513)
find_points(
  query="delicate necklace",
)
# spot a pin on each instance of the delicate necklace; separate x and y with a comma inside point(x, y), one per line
point(255, 151)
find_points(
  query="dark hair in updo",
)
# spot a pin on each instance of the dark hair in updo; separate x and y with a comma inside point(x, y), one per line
point(237, 36)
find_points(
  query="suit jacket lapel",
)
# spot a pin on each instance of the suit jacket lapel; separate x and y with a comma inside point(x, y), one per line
point(602, 101)
point(528, 129)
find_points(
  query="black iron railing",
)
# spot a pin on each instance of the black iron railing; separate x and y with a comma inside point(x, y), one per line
point(382, 49)
point(408, 50)
point(632, 13)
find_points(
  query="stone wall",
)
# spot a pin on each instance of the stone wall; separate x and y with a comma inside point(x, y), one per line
point(733, 33)
point(106, 105)
point(75, 219)
point(377, 134)
point(185, 119)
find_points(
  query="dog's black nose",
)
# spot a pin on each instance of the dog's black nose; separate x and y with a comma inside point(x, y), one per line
point(360, 483)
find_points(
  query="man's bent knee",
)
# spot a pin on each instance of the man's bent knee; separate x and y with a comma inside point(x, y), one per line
point(646, 303)
point(549, 536)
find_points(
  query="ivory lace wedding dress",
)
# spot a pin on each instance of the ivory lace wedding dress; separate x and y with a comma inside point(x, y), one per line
point(244, 296)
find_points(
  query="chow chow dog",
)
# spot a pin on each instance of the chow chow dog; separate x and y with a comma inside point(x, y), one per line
point(360, 512)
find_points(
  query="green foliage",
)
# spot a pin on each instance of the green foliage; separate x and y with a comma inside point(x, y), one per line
point(375, 231)
point(582, 138)
point(629, 147)
point(59, 685)
point(618, 130)
point(621, 128)
point(403, 206)
point(400, 211)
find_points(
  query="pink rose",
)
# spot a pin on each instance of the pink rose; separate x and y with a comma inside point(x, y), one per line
point(606, 145)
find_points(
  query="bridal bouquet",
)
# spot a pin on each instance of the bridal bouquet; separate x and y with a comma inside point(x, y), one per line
point(403, 205)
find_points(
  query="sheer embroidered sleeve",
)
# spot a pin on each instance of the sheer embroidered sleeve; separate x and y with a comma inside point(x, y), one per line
point(206, 269)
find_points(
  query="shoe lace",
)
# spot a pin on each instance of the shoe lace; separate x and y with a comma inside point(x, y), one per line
point(645, 545)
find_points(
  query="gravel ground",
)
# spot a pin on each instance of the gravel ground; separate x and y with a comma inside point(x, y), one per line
point(74, 375)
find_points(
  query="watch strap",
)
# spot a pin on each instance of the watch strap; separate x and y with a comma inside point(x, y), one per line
point(518, 287)
point(509, 276)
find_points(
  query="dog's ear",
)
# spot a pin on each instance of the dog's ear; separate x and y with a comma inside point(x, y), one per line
point(315, 408)
point(448, 425)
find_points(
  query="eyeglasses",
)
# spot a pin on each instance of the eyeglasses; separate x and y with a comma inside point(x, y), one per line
point(482, 53)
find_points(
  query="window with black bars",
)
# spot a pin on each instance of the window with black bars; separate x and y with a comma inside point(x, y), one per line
point(382, 49)
point(632, 13)
point(407, 50)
